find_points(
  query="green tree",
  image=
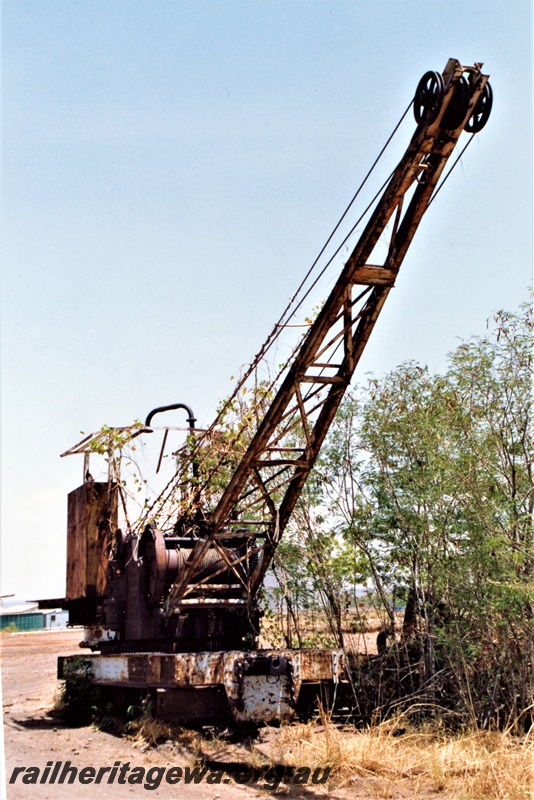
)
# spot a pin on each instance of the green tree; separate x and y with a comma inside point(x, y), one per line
point(427, 481)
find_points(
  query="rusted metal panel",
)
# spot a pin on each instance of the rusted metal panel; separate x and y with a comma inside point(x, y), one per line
point(369, 275)
point(254, 693)
point(319, 665)
point(262, 698)
point(198, 669)
point(92, 512)
point(260, 686)
point(203, 669)
point(110, 671)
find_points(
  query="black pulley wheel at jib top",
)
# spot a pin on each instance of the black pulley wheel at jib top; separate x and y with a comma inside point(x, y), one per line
point(428, 98)
point(481, 112)
point(458, 105)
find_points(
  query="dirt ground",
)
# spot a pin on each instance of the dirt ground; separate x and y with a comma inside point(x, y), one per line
point(33, 737)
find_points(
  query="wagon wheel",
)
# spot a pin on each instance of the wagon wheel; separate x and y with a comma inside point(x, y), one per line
point(481, 112)
point(428, 98)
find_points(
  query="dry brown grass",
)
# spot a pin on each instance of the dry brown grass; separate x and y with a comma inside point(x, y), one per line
point(152, 732)
point(390, 760)
point(380, 762)
point(472, 766)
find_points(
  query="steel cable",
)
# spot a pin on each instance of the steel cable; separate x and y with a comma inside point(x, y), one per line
point(282, 322)
point(285, 317)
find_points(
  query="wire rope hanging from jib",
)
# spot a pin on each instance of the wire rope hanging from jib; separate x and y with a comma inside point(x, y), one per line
point(304, 288)
point(433, 99)
point(445, 104)
point(307, 284)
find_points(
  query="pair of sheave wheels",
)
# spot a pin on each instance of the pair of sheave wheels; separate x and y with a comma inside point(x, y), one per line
point(428, 101)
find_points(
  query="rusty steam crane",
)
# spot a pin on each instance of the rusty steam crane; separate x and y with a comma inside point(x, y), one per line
point(172, 608)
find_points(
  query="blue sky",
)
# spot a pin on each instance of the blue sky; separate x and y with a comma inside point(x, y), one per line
point(170, 171)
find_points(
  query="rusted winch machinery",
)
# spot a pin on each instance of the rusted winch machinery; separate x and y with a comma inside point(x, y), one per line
point(172, 607)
